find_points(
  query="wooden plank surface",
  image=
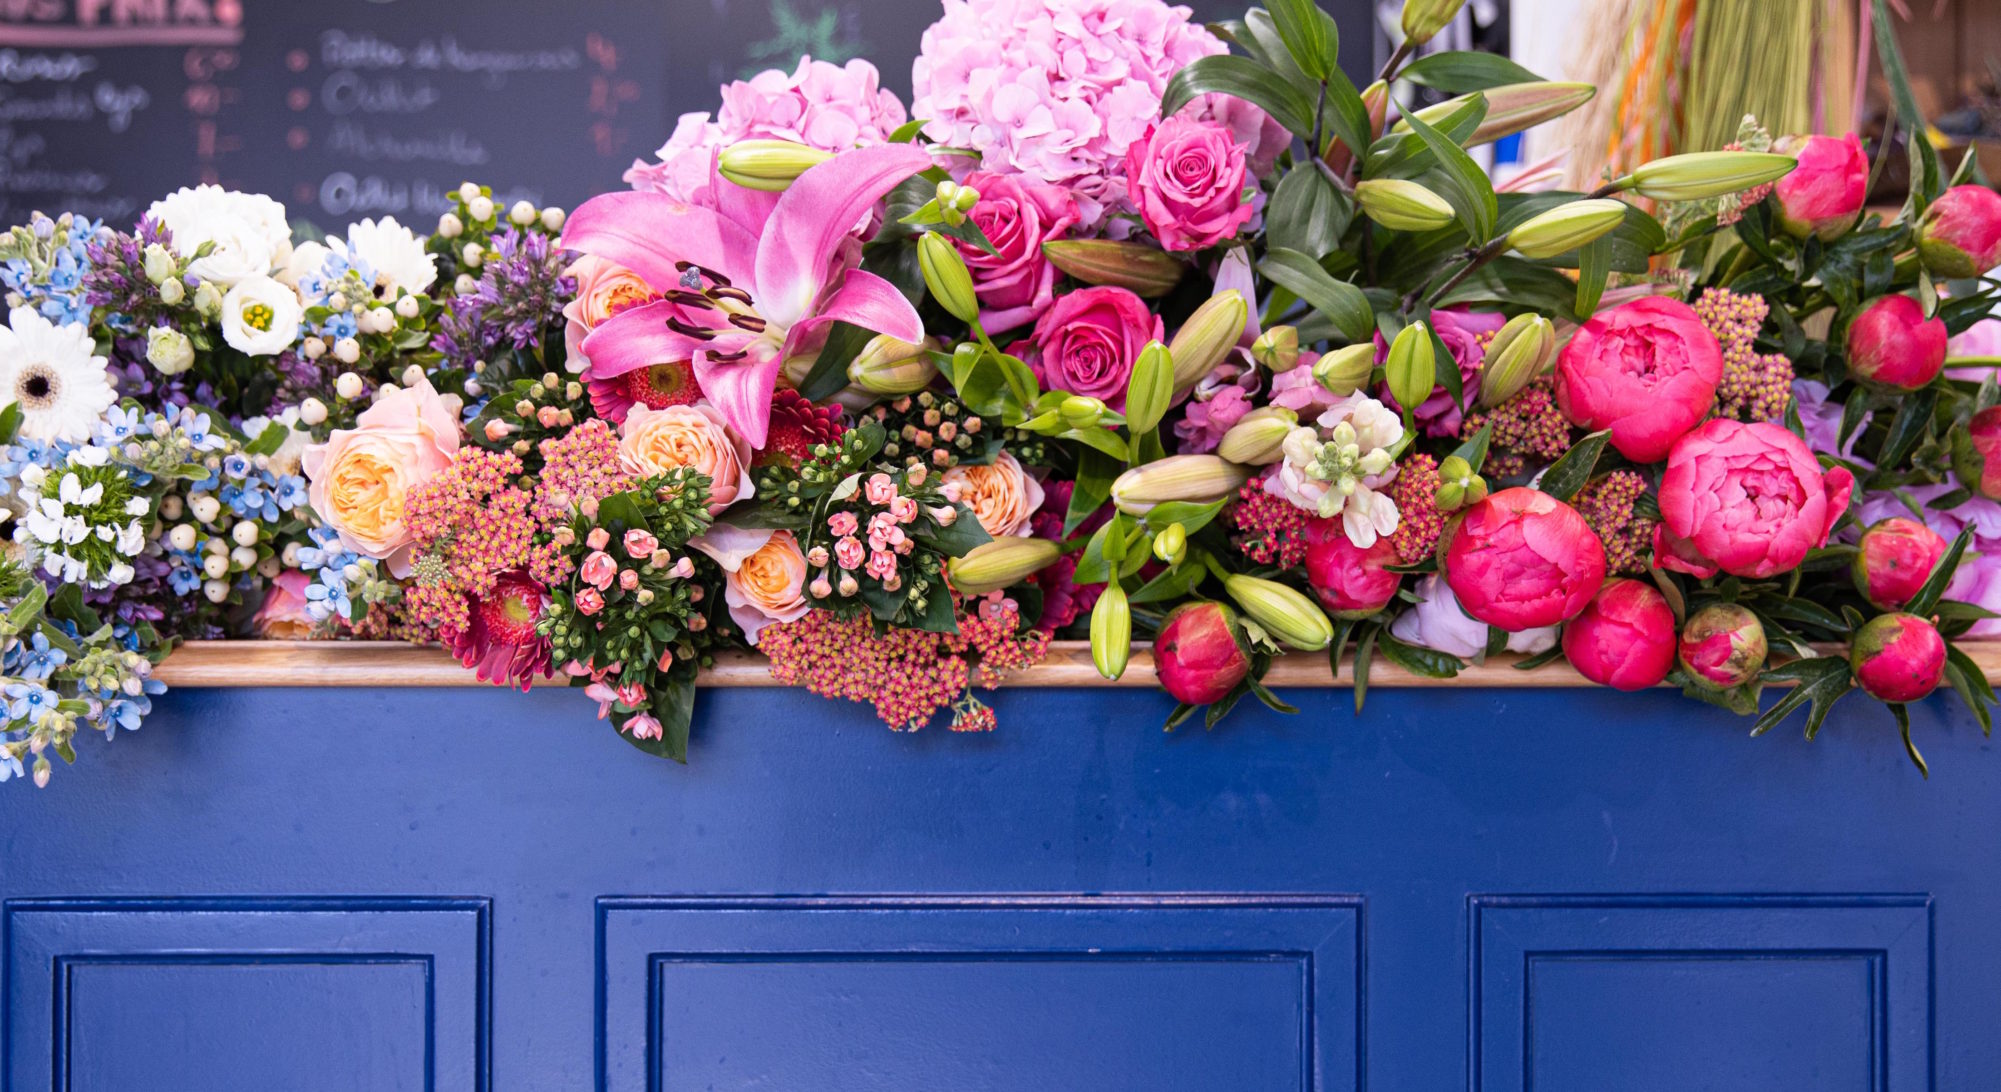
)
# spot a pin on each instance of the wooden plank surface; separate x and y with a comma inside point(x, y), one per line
point(373, 663)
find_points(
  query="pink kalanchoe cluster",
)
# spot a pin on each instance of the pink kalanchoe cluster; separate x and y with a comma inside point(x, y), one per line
point(1755, 385)
point(1606, 503)
point(826, 106)
point(581, 464)
point(1420, 522)
point(1271, 530)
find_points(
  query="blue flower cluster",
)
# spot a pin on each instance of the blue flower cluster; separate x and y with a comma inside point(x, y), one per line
point(55, 288)
point(333, 567)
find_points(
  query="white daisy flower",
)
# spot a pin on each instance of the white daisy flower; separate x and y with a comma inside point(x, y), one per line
point(252, 237)
point(55, 376)
point(393, 252)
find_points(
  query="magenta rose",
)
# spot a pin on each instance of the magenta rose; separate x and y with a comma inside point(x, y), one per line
point(1199, 654)
point(1187, 179)
point(1976, 453)
point(1892, 344)
point(1894, 559)
point(1461, 332)
point(1898, 658)
point(1647, 370)
point(1087, 342)
point(1018, 214)
point(1723, 646)
point(1823, 195)
point(1522, 559)
point(1351, 582)
point(1624, 638)
point(1960, 234)
point(1750, 500)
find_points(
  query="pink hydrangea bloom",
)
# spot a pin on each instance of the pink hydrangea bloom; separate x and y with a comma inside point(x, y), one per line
point(827, 106)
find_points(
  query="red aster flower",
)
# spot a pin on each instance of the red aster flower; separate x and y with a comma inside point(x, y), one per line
point(796, 425)
point(656, 387)
point(500, 641)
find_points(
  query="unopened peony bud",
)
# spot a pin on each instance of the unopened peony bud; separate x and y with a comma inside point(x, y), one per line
point(946, 276)
point(1697, 176)
point(1894, 559)
point(1423, 19)
point(1001, 563)
point(1277, 349)
point(1960, 234)
point(1722, 646)
point(1198, 479)
point(1412, 366)
point(1624, 638)
point(1257, 437)
point(1111, 631)
point(169, 350)
point(1138, 267)
point(1345, 370)
point(1284, 612)
point(1150, 389)
point(1976, 453)
point(1402, 205)
point(1898, 658)
point(1199, 654)
point(1520, 352)
point(1352, 582)
point(1207, 337)
point(1823, 197)
point(1081, 412)
point(888, 366)
point(1892, 344)
point(768, 165)
point(1511, 108)
point(1567, 227)
point(1171, 544)
point(159, 263)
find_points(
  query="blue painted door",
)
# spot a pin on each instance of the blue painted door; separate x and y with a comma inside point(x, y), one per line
point(1570, 891)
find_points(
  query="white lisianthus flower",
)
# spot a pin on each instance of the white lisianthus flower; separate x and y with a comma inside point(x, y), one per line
point(1339, 466)
point(169, 350)
point(252, 237)
point(307, 263)
point(260, 317)
point(54, 374)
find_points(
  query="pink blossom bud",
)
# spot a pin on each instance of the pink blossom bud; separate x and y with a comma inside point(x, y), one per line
point(598, 539)
point(1199, 654)
point(1822, 196)
point(598, 570)
point(818, 557)
point(640, 543)
point(1976, 453)
point(498, 430)
point(848, 584)
point(628, 579)
point(1898, 657)
point(1351, 582)
point(1892, 344)
point(1894, 559)
point(684, 568)
point(666, 660)
point(1960, 234)
point(1722, 646)
point(944, 515)
point(589, 602)
point(1625, 637)
point(821, 587)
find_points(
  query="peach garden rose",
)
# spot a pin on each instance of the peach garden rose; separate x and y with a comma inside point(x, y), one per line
point(655, 441)
point(769, 586)
point(361, 477)
point(1001, 495)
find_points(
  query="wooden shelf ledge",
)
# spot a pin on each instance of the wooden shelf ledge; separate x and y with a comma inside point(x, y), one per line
point(388, 663)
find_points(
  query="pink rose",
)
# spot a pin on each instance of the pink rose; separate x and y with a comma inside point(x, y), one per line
point(599, 570)
point(1750, 500)
point(1823, 195)
point(1898, 658)
point(361, 477)
point(1522, 559)
point(1351, 582)
point(640, 544)
point(1187, 179)
point(1625, 637)
point(1892, 344)
point(656, 441)
point(1960, 234)
point(1647, 370)
point(283, 616)
point(1086, 344)
point(603, 290)
point(1461, 332)
point(880, 489)
point(768, 585)
point(1018, 214)
point(589, 602)
point(1200, 655)
point(1722, 646)
point(1894, 559)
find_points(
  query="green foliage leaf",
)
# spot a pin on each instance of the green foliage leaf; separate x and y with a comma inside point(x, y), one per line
point(1903, 715)
point(1424, 662)
point(1474, 451)
point(830, 371)
point(1970, 683)
point(1309, 35)
point(1567, 475)
point(1821, 682)
point(1342, 303)
point(1191, 516)
point(1095, 473)
point(1242, 78)
point(1460, 72)
point(1307, 211)
point(1926, 600)
point(10, 422)
point(1466, 186)
point(1594, 268)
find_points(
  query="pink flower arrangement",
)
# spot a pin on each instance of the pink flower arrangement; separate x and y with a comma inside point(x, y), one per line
point(1187, 179)
point(1646, 370)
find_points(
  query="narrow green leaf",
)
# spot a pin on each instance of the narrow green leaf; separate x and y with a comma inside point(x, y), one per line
point(1903, 716)
point(1309, 35)
point(1923, 603)
point(1468, 189)
point(1460, 72)
point(1567, 475)
point(1342, 303)
point(829, 374)
point(1242, 78)
point(1594, 268)
point(1425, 662)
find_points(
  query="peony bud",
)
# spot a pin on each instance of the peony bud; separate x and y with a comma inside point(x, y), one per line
point(1284, 612)
point(1402, 205)
point(1199, 653)
point(1823, 197)
point(1277, 349)
point(1511, 108)
point(1894, 559)
point(1976, 453)
point(1198, 479)
point(169, 350)
point(1150, 389)
point(159, 263)
point(768, 165)
point(1207, 337)
point(888, 366)
point(1351, 582)
point(1257, 437)
point(1960, 234)
point(1346, 370)
point(1892, 344)
point(947, 277)
point(1722, 646)
point(1624, 638)
point(1081, 412)
point(1522, 559)
point(1897, 658)
point(1412, 365)
point(1422, 19)
point(1520, 352)
point(1111, 631)
point(1696, 176)
point(1171, 544)
point(1567, 227)
point(1001, 563)
point(1138, 267)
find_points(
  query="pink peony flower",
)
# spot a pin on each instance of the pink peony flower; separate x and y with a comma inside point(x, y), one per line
point(826, 106)
point(1722, 646)
point(1625, 637)
point(1439, 623)
point(1822, 196)
point(1087, 343)
point(1892, 344)
point(1199, 655)
point(362, 477)
point(1647, 370)
point(1750, 500)
point(1960, 234)
point(1898, 658)
point(1018, 214)
point(1894, 559)
point(1350, 581)
point(1187, 178)
point(1522, 559)
point(1461, 332)
point(1976, 453)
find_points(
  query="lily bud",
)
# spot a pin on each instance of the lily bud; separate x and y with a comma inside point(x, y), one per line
point(1208, 336)
point(1171, 544)
point(1375, 100)
point(1150, 389)
point(1284, 612)
point(1277, 348)
point(1256, 438)
point(768, 165)
point(889, 367)
point(1081, 412)
point(1520, 352)
point(1412, 366)
point(1699, 175)
point(1402, 205)
point(1511, 108)
point(946, 276)
point(1142, 269)
point(1111, 631)
point(1198, 479)
point(1346, 370)
point(1001, 563)
point(1567, 227)
point(1422, 19)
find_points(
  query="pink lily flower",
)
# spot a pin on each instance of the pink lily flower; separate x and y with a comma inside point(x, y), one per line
point(749, 283)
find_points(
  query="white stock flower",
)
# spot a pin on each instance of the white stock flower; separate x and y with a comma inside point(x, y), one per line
point(1340, 467)
point(252, 237)
point(55, 375)
point(260, 316)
